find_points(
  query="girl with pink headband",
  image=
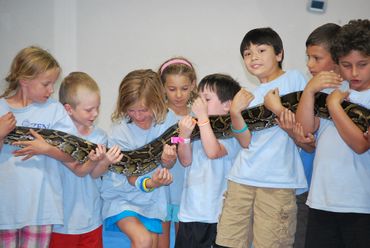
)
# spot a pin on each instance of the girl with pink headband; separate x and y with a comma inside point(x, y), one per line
point(179, 79)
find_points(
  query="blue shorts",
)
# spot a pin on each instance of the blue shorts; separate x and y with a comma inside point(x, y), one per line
point(151, 224)
point(172, 213)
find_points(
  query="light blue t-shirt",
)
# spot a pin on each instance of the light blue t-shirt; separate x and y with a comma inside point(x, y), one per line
point(341, 177)
point(31, 190)
point(81, 196)
point(174, 190)
point(205, 183)
point(117, 193)
point(272, 159)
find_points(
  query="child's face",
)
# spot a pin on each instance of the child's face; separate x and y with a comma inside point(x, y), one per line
point(355, 68)
point(40, 88)
point(141, 115)
point(87, 109)
point(262, 62)
point(178, 90)
point(319, 59)
point(214, 105)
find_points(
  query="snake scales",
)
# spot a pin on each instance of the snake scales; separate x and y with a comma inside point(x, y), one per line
point(147, 158)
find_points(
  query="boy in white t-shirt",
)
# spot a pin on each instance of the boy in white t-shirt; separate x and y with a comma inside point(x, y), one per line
point(207, 162)
point(82, 203)
point(339, 197)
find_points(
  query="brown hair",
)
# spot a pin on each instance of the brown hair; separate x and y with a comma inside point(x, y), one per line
point(180, 66)
point(28, 64)
point(72, 83)
point(141, 85)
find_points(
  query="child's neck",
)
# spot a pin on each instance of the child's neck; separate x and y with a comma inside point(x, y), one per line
point(84, 130)
point(183, 110)
point(19, 100)
point(271, 76)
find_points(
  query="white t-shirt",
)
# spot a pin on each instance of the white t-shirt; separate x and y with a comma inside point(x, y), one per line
point(81, 196)
point(341, 177)
point(31, 190)
point(205, 183)
point(117, 193)
point(272, 159)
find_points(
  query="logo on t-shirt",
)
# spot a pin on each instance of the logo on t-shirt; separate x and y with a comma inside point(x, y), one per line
point(27, 123)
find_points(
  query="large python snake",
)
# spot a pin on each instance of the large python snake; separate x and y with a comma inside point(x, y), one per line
point(148, 157)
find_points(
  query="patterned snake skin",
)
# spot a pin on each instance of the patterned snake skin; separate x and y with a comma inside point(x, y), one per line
point(148, 157)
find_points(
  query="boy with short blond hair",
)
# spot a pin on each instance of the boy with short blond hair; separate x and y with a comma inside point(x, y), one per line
point(80, 95)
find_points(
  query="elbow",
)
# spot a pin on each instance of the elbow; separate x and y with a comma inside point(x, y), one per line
point(80, 174)
point(185, 163)
point(360, 149)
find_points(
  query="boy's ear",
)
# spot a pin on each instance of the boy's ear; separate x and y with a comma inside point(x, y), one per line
point(280, 56)
point(68, 108)
point(227, 105)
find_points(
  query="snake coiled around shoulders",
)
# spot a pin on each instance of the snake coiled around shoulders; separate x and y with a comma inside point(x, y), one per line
point(147, 158)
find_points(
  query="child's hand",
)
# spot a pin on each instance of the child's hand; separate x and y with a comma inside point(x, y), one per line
point(286, 121)
point(300, 137)
point(33, 147)
point(272, 102)
point(186, 126)
point(200, 108)
point(113, 155)
point(323, 80)
point(169, 155)
point(7, 124)
point(241, 101)
point(161, 177)
point(336, 97)
point(98, 154)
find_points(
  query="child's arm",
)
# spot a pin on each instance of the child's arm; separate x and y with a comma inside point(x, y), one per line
point(305, 112)
point(169, 156)
point(161, 177)
point(184, 149)
point(240, 102)
point(348, 130)
point(212, 147)
point(307, 142)
point(112, 156)
point(7, 124)
point(287, 122)
point(40, 146)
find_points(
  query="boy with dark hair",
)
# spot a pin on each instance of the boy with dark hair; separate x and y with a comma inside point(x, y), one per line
point(339, 197)
point(319, 63)
point(264, 177)
point(207, 163)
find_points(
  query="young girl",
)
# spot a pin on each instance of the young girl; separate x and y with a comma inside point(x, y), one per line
point(179, 80)
point(82, 227)
point(137, 205)
point(31, 191)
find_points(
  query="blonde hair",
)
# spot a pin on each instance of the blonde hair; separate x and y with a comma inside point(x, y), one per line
point(145, 86)
point(72, 83)
point(27, 65)
point(179, 66)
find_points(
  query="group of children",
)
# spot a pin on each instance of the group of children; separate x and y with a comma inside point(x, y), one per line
point(250, 189)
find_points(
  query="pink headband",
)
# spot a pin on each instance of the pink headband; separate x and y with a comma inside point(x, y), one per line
point(175, 61)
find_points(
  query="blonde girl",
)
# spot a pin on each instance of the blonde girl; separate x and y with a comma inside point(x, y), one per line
point(179, 80)
point(136, 206)
point(31, 191)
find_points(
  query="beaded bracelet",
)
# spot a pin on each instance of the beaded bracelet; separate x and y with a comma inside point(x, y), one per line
point(203, 124)
point(245, 128)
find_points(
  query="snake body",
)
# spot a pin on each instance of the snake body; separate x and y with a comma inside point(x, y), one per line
point(147, 158)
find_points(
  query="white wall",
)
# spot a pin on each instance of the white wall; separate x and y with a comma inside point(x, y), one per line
point(107, 39)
